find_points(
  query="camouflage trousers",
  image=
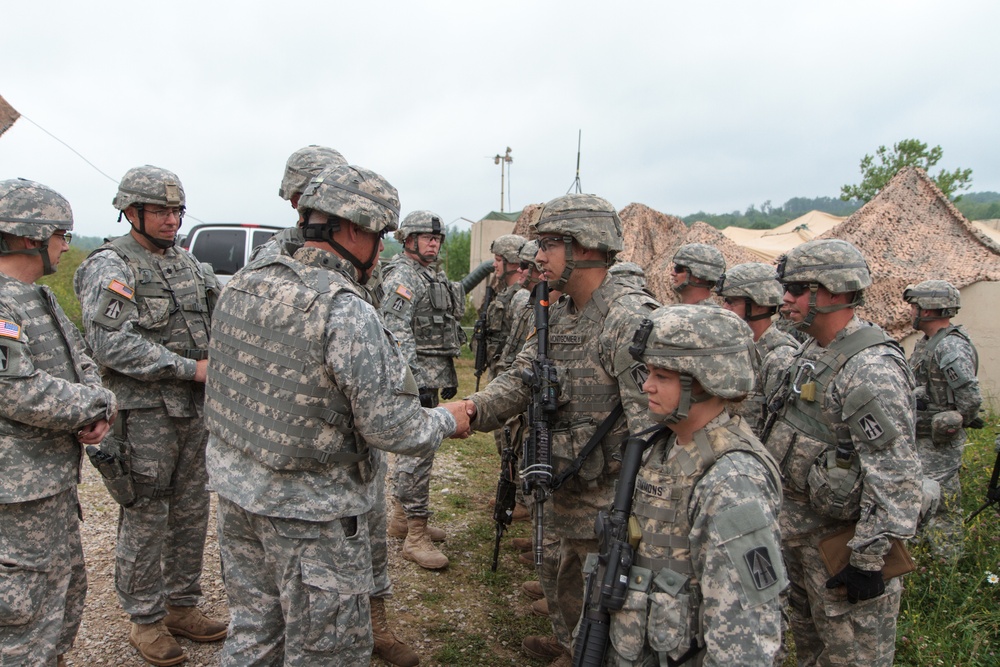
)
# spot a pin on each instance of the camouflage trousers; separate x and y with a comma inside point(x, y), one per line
point(561, 576)
point(412, 478)
point(828, 630)
point(43, 581)
point(944, 532)
point(377, 528)
point(298, 590)
point(161, 539)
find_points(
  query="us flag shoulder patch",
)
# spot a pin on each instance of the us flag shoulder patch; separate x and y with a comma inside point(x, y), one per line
point(404, 292)
point(118, 287)
point(10, 329)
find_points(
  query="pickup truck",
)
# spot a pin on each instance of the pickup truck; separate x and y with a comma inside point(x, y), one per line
point(226, 246)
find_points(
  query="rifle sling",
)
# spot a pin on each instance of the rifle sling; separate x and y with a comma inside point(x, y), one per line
point(602, 431)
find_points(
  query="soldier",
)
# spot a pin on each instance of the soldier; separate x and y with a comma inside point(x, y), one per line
point(705, 578)
point(53, 401)
point(423, 309)
point(591, 328)
point(500, 316)
point(146, 313)
point(844, 437)
point(697, 267)
point(304, 380)
point(944, 364)
point(753, 292)
point(631, 272)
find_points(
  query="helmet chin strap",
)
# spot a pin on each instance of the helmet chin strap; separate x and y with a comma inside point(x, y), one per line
point(747, 309)
point(571, 264)
point(424, 257)
point(325, 232)
point(162, 244)
point(814, 310)
point(688, 398)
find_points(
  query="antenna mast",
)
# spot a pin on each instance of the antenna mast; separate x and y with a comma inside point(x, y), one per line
point(502, 160)
point(576, 183)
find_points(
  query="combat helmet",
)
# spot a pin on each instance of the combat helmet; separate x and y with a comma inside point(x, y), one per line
point(705, 264)
point(305, 163)
point(753, 282)
point(420, 222)
point(34, 211)
point(508, 247)
point(526, 255)
point(629, 272)
point(150, 185)
point(587, 219)
point(707, 344)
point(355, 194)
point(835, 264)
point(938, 295)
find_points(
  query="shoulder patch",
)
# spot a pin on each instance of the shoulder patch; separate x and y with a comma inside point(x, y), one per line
point(639, 375)
point(10, 329)
point(404, 291)
point(761, 567)
point(4, 358)
point(118, 287)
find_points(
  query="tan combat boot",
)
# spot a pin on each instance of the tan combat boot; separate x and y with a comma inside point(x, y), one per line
point(388, 646)
point(192, 623)
point(156, 645)
point(397, 525)
point(418, 547)
point(533, 590)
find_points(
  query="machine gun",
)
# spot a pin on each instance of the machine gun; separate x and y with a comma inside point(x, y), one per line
point(503, 510)
point(992, 491)
point(607, 585)
point(479, 335)
point(536, 476)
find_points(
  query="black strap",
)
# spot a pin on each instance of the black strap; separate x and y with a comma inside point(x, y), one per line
point(602, 430)
point(690, 653)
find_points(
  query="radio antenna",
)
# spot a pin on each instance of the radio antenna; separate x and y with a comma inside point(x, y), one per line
point(576, 183)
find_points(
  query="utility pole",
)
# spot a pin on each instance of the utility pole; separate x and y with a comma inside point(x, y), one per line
point(502, 160)
point(576, 183)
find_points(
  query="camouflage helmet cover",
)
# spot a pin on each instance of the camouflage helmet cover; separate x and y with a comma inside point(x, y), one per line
point(934, 295)
point(592, 221)
point(702, 260)
point(835, 264)
point(149, 185)
point(509, 247)
point(32, 210)
point(419, 222)
point(305, 163)
point(755, 281)
point(355, 194)
point(712, 345)
point(630, 269)
point(528, 251)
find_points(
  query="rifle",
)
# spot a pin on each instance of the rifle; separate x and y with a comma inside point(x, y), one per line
point(992, 491)
point(607, 585)
point(536, 476)
point(479, 335)
point(503, 510)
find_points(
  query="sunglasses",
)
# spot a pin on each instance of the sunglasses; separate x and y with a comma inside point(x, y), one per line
point(680, 268)
point(797, 289)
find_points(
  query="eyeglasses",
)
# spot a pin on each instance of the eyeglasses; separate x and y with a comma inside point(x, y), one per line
point(797, 289)
point(548, 243)
point(164, 213)
point(680, 268)
point(428, 238)
point(65, 236)
point(733, 300)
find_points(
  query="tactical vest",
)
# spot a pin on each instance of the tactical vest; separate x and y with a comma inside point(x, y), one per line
point(522, 324)
point(437, 309)
point(587, 393)
point(498, 323)
point(927, 373)
point(173, 302)
point(267, 393)
point(50, 345)
point(752, 408)
point(803, 430)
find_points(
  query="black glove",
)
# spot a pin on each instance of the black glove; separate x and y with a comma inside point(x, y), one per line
point(449, 392)
point(428, 397)
point(922, 404)
point(860, 584)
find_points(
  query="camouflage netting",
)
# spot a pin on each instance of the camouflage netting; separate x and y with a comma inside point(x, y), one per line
point(908, 233)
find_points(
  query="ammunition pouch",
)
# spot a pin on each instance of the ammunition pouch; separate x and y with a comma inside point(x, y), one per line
point(111, 459)
point(945, 427)
point(834, 489)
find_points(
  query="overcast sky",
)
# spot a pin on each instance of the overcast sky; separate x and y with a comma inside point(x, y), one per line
point(685, 107)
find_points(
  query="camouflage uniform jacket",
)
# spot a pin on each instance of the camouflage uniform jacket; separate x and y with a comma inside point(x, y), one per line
point(321, 345)
point(521, 314)
point(775, 349)
point(50, 390)
point(499, 318)
point(944, 367)
point(866, 405)
point(423, 309)
point(589, 347)
point(146, 318)
point(708, 567)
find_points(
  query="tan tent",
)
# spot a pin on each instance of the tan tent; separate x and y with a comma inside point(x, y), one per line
point(768, 244)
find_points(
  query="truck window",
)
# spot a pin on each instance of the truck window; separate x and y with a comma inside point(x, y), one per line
point(260, 237)
point(224, 249)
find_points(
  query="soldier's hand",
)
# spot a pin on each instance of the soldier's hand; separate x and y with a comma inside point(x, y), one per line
point(201, 370)
point(458, 410)
point(448, 393)
point(860, 584)
point(92, 434)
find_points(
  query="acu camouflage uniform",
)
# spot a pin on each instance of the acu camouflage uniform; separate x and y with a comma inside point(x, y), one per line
point(855, 393)
point(51, 390)
point(775, 349)
point(944, 367)
point(422, 309)
point(596, 372)
point(304, 382)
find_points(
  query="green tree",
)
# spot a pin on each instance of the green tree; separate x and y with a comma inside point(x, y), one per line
point(906, 153)
point(457, 246)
